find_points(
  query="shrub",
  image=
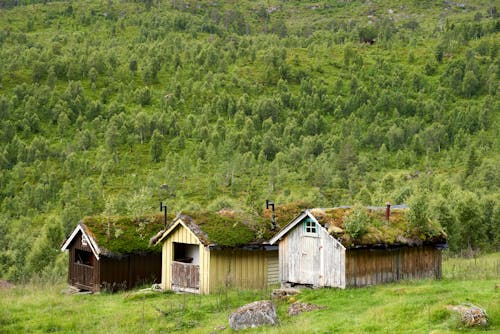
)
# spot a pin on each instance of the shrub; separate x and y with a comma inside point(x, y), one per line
point(357, 222)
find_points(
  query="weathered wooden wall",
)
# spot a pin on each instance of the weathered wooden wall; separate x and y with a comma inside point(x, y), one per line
point(311, 259)
point(80, 275)
point(130, 270)
point(185, 275)
point(373, 266)
point(184, 235)
point(246, 269)
point(124, 272)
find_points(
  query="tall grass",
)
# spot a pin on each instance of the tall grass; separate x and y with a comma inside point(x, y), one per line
point(482, 267)
point(405, 307)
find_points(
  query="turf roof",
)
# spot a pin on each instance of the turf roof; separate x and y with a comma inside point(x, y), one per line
point(228, 228)
point(379, 232)
point(124, 234)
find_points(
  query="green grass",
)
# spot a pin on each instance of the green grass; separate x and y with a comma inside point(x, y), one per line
point(407, 307)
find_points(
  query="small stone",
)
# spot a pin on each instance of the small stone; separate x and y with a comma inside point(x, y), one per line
point(284, 293)
point(219, 328)
point(298, 307)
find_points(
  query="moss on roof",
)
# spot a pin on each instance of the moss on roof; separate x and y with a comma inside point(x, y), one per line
point(379, 232)
point(124, 234)
point(285, 213)
point(223, 228)
point(228, 228)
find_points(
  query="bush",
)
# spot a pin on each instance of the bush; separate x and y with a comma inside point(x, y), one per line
point(357, 222)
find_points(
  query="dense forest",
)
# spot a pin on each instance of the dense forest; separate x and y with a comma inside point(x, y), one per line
point(108, 107)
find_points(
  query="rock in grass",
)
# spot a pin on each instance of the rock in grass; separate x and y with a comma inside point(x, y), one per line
point(255, 314)
point(297, 308)
point(284, 293)
point(471, 315)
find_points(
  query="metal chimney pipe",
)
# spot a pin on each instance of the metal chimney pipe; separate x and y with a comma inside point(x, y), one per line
point(164, 209)
point(273, 218)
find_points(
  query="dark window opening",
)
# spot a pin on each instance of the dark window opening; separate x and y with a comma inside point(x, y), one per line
point(83, 257)
point(181, 253)
point(310, 227)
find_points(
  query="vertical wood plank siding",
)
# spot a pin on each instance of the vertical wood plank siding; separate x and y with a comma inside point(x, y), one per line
point(316, 260)
point(242, 268)
point(186, 275)
point(183, 235)
point(79, 275)
point(220, 268)
point(272, 268)
point(373, 266)
point(130, 270)
point(123, 272)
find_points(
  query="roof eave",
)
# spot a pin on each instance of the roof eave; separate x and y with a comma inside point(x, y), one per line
point(81, 227)
point(291, 225)
point(178, 221)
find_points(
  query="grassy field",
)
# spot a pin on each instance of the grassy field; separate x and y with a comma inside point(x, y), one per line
point(408, 307)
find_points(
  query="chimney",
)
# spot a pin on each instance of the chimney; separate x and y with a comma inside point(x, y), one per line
point(164, 209)
point(273, 218)
point(387, 211)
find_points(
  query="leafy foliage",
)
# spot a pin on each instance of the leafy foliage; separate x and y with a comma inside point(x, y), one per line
point(357, 222)
point(345, 102)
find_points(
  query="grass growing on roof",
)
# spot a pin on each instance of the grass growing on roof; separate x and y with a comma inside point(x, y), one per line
point(125, 234)
point(377, 230)
point(286, 213)
point(227, 230)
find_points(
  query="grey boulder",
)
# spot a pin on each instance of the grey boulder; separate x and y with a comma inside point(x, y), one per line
point(254, 315)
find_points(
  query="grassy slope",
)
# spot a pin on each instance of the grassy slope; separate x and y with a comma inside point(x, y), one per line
point(408, 307)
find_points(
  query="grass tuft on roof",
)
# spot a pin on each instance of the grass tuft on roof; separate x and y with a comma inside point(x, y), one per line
point(226, 228)
point(378, 231)
point(124, 234)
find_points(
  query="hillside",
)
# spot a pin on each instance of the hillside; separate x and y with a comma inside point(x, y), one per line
point(109, 107)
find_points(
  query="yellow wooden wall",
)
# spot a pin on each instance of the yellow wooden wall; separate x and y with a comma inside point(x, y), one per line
point(184, 235)
point(240, 268)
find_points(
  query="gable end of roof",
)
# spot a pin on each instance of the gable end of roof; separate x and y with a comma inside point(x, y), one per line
point(83, 229)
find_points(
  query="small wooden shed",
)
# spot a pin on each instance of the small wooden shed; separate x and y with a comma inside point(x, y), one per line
point(113, 253)
point(316, 250)
point(205, 251)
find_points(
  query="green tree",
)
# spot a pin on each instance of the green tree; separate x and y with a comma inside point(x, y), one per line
point(156, 146)
point(112, 140)
point(140, 203)
point(470, 84)
point(46, 247)
point(357, 222)
point(469, 216)
point(63, 122)
point(419, 213)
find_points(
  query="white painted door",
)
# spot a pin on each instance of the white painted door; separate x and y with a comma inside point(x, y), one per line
point(309, 262)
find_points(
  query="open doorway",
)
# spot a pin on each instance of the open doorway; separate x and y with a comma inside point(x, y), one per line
point(186, 267)
point(186, 253)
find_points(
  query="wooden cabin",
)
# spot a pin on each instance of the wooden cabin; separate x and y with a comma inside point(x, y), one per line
point(316, 250)
point(113, 254)
point(202, 252)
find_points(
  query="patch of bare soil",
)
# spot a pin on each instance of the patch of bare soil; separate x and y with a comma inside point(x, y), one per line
point(5, 285)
